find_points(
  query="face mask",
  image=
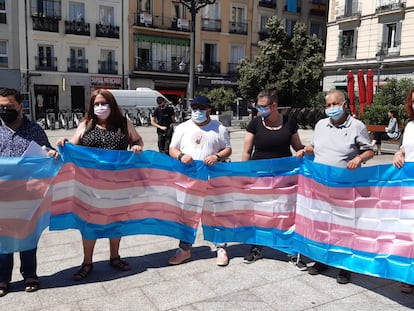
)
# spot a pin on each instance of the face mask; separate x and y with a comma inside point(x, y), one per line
point(335, 112)
point(263, 112)
point(8, 115)
point(102, 112)
point(198, 116)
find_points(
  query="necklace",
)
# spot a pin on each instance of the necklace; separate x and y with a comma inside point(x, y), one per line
point(273, 125)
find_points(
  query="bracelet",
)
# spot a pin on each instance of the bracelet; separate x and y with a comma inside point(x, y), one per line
point(218, 157)
point(180, 156)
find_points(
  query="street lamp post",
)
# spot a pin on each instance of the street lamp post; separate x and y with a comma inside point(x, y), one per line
point(380, 58)
point(194, 7)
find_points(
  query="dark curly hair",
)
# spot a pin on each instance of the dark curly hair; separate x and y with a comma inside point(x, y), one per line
point(4, 92)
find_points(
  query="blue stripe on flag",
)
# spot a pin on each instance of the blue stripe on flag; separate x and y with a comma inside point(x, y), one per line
point(123, 228)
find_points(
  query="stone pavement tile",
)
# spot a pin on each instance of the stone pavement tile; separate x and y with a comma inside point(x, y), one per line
point(18, 300)
point(202, 260)
point(232, 278)
point(127, 300)
point(178, 292)
point(63, 307)
point(298, 293)
point(242, 300)
point(56, 296)
point(134, 281)
point(367, 300)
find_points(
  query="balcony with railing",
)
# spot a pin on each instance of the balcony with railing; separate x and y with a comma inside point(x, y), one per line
point(385, 6)
point(161, 22)
point(49, 24)
point(263, 34)
point(77, 28)
point(348, 52)
point(77, 65)
point(390, 49)
point(107, 67)
point(46, 63)
point(232, 68)
point(209, 24)
point(211, 67)
point(268, 3)
point(159, 66)
point(317, 8)
point(107, 31)
point(238, 28)
point(350, 10)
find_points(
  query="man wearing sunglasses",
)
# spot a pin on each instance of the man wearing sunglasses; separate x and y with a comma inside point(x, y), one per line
point(204, 139)
point(164, 120)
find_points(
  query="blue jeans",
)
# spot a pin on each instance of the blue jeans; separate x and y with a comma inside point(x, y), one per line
point(186, 246)
point(28, 265)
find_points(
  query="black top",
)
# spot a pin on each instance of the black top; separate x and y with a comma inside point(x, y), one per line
point(268, 143)
point(164, 116)
point(105, 139)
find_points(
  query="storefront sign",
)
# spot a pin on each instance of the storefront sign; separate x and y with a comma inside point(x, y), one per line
point(106, 81)
point(217, 81)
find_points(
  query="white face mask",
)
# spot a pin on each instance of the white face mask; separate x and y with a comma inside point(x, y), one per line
point(102, 111)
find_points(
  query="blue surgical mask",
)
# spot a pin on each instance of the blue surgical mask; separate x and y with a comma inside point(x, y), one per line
point(335, 113)
point(198, 116)
point(263, 112)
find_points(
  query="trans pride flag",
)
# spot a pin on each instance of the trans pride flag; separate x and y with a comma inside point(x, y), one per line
point(25, 201)
point(116, 193)
point(361, 220)
point(252, 202)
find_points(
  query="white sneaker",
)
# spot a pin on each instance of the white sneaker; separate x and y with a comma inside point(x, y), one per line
point(179, 257)
point(222, 259)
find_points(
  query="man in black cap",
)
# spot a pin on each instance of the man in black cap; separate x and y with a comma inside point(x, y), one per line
point(200, 138)
point(163, 119)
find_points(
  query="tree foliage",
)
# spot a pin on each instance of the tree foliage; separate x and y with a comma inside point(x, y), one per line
point(291, 66)
point(221, 98)
point(389, 96)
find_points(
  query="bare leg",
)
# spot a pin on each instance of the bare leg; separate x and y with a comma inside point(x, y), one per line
point(88, 246)
point(114, 247)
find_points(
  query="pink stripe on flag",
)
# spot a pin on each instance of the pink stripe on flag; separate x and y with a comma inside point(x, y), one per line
point(140, 177)
point(355, 197)
point(400, 244)
point(240, 218)
point(253, 185)
point(19, 228)
point(18, 190)
point(96, 215)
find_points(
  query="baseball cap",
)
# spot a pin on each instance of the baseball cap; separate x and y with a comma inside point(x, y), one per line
point(201, 100)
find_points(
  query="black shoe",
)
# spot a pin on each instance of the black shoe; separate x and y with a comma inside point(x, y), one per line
point(255, 254)
point(317, 268)
point(299, 264)
point(343, 277)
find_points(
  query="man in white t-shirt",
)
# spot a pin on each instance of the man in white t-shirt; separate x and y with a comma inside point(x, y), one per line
point(200, 138)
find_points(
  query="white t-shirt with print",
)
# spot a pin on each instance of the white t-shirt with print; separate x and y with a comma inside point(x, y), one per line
point(200, 141)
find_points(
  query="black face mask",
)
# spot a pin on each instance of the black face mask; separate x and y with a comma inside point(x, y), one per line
point(8, 115)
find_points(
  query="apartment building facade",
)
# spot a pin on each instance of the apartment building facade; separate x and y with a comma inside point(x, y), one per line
point(376, 35)
point(58, 51)
point(64, 50)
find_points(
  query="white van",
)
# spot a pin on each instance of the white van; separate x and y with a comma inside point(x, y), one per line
point(139, 104)
point(141, 98)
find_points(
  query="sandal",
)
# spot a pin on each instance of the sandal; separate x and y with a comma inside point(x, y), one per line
point(119, 264)
point(3, 289)
point(406, 288)
point(31, 284)
point(83, 272)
